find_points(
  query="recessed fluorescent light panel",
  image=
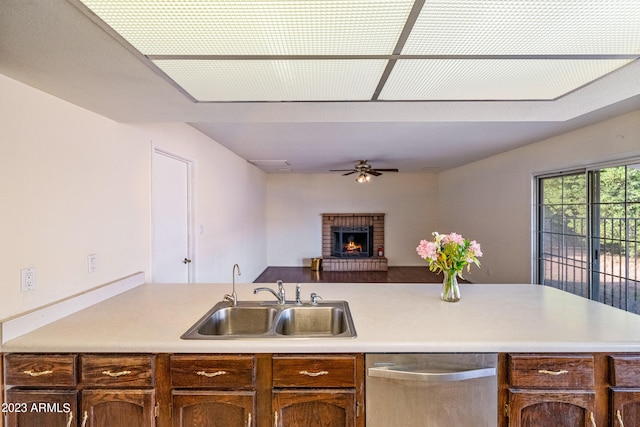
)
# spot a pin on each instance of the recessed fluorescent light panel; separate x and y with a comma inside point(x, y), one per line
point(375, 50)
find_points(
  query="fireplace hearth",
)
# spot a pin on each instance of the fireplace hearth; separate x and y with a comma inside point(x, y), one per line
point(352, 242)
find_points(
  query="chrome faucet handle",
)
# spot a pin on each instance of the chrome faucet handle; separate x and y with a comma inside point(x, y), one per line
point(279, 297)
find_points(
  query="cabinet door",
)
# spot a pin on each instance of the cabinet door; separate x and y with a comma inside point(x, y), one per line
point(314, 408)
point(625, 407)
point(196, 408)
point(118, 408)
point(535, 408)
point(38, 408)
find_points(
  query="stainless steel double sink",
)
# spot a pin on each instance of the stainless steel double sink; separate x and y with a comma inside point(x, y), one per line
point(255, 319)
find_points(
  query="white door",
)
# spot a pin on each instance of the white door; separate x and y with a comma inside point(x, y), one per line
point(170, 198)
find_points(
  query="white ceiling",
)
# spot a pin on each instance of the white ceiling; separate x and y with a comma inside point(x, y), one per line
point(58, 47)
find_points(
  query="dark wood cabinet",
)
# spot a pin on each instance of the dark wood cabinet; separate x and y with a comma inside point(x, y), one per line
point(317, 390)
point(37, 408)
point(545, 390)
point(45, 392)
point(624, 372)
point(535, 408)
point(118, 408)
point(213, 391)
point(118, 390)
point(193, 408)
point(314, 408)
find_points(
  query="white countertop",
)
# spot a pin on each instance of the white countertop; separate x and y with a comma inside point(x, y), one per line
point(387, 317)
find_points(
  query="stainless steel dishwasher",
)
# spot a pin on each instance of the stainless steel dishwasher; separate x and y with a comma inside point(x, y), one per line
point(431, 390)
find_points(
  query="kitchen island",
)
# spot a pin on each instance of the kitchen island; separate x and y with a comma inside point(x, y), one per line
point(559, 355)
point(387, 317)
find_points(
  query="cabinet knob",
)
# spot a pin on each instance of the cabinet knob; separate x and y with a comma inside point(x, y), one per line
point(186, 261)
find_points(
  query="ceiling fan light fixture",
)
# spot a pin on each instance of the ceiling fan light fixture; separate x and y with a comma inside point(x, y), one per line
point(363, 178)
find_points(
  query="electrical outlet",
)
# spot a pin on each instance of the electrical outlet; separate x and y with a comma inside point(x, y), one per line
point(28, 279)
point(91, 263)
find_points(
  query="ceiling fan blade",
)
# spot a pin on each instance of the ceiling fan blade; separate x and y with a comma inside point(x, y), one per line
point(387, 170)
point(373, 172)
point(341, 170)
point(348, 173)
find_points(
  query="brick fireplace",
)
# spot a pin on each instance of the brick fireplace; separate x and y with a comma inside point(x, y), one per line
point(372, 221)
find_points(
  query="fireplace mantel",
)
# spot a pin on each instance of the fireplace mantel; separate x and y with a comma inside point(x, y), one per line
point(374, 220)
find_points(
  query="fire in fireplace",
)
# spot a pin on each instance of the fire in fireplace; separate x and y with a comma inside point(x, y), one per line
point(352, 242)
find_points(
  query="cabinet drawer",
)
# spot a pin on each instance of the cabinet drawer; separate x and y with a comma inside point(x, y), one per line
point(625, 370)
point(34, 370)
point(220, 372)
point(551, 371)
point(118, 371)
point(314, 371)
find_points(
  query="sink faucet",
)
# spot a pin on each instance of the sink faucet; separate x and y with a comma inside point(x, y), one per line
point(280, 295)
point(233, 298)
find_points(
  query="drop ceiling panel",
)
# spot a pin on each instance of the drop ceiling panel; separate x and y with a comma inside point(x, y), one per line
point(526, 27)
point(491, 79)
point(275, 80)
point(260, 27)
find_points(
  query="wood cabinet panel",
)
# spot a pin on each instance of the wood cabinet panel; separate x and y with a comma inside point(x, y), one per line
point(314, 408)
point(551, 371)
point(38, 408)
point(535, 408)
point(118, 408)
point(118, 371)
point(624, 370)
point(213, 408)
point(202, 371)
point(314, 371)
point(625, 407)
point(38, 370)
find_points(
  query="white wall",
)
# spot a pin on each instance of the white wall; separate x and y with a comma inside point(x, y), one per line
point(296, 202)
point(492, 200)
point(74, 183)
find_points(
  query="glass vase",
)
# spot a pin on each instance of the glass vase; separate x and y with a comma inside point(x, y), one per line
point(450, 289)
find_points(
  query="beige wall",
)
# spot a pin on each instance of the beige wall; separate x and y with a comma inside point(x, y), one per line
point(74, 183)
point(492, 200)
point(296, 202)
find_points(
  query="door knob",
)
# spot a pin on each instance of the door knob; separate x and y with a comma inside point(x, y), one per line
point(186, 261)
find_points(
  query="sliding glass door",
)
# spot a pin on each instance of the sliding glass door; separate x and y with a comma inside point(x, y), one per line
point(588, 237)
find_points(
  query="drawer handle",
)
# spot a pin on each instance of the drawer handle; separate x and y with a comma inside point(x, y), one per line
point(314, 374)
point(69, 419)
point(560, 372)
point(249, 420)
point(211, 374)
point(37, 374)
point(115, 374)
point(593, 419)
point(619, 417)
point(85, 417)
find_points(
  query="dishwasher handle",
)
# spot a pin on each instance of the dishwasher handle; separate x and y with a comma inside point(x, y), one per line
point(406, 374)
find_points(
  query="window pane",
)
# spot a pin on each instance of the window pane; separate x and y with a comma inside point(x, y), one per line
point(563, 229)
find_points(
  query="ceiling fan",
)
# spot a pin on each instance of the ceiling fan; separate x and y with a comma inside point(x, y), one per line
point(364, 171)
